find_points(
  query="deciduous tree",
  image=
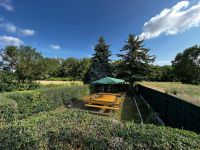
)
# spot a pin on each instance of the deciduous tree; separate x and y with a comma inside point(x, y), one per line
point(187, 65)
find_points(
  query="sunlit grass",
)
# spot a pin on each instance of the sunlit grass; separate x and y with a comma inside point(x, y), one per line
point(187, 92)
point(69, 83)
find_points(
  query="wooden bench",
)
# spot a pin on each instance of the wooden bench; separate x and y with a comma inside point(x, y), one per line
point(104, 100)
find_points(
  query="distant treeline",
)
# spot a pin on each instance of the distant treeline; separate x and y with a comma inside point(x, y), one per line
point(21, 66)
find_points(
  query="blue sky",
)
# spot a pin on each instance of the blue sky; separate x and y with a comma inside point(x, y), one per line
point(66, 28)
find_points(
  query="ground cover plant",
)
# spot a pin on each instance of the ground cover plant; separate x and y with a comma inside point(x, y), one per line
point(75, 129)
point(187, 92)
point(38, 119)
point(19, 105)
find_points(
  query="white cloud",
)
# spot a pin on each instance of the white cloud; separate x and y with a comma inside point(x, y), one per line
point(54, 46)
point(172, 21)
point(10, 40)
point(7, 4)
point(9, 27)
point(27, 32)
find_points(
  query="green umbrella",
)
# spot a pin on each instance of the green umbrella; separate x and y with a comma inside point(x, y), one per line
point(109, 80)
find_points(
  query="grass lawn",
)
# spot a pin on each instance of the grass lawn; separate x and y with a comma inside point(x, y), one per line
point(187, 92)
point(128, 110)
point(44, 82)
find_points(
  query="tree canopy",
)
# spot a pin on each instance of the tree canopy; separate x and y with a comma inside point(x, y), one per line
point(100, 62)
point(25, 61)
point(187, 65)
point(21, 66)
point(135, 59)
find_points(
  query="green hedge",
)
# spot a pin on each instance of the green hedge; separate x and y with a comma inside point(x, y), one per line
point(8, 109)
point(75, 129)
point(59, 79)
point(32, 102)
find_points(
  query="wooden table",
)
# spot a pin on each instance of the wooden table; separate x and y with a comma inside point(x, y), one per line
point(105, 98)
point(105, 101)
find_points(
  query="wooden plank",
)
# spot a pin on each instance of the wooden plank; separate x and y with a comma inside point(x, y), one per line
point(105, 98)
point(116, 94)
point(116, 102)
point(100, 103)
point(104, 107)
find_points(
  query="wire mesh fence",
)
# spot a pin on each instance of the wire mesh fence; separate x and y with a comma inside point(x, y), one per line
point(173, 111)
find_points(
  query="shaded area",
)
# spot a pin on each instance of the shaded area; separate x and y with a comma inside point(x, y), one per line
point(128, 110)
point(80, 104)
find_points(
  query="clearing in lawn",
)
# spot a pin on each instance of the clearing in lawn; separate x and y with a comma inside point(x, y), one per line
point(44, 82)
point(187, 92)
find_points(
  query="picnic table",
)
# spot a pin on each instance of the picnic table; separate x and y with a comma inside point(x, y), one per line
point(104, 100)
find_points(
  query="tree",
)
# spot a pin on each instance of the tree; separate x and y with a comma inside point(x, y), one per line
point(135, 59)
point(161, 73)
point(69, 68)
point(24, 61)
point(9, 58)
point(187, 65)
point(100, 66)
point(52, 67)
point(84, 67)
point(116, 71)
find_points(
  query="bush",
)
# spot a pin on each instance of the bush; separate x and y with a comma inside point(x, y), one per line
point(8, 83)
point(76, 129)
point(33, 102)
point(8, 109)
point(27, 86)
point(59, 79)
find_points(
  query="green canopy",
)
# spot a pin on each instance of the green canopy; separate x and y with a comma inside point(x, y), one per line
point(108, 80)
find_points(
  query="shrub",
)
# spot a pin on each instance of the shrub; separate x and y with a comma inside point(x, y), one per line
point(27, 86)
point(8, 109)
point(172, 91)
point(33, 102)
point(75, 129)
point(59, 79)
point(7, 82)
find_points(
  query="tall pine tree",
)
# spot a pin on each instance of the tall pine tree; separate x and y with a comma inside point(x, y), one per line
point(100, 65)
point(135, 59)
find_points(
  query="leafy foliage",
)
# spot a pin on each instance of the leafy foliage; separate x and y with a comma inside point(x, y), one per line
point(76, 129)
point(8, 109)
point(59, 79)
point(24, 61)
point(9, 82)
point(187, 65)
point(161, 73)
point(32, 102)
point(52, 67)
point(75, 69)
point(100, 66)
point(135, 59)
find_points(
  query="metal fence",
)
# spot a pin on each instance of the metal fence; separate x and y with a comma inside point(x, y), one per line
point(173, 111)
